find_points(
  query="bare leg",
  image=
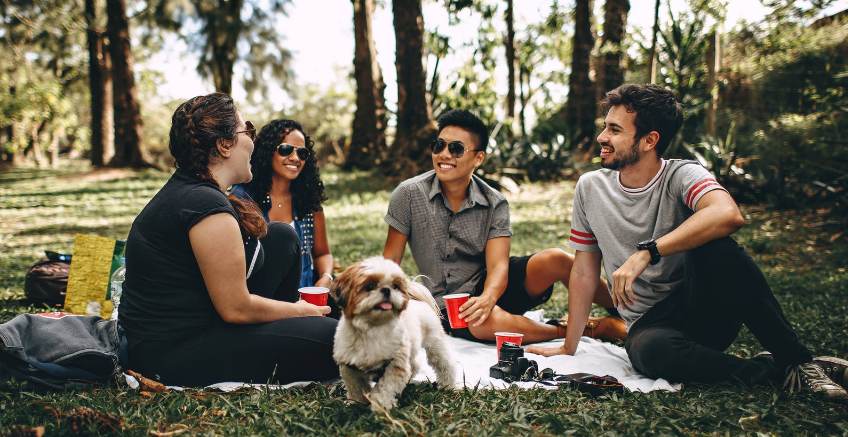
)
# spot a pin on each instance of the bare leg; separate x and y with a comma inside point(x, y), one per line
point(554, 265)
point(501, 320)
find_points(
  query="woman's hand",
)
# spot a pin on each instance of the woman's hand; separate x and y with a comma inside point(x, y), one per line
point(323, 281)
point(306, 309)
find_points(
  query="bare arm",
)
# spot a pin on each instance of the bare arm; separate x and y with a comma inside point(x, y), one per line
point(478, 309)
point(321, 250)
point(218, 248)
point(716, 216)
point(585, 277)
point(395, 245)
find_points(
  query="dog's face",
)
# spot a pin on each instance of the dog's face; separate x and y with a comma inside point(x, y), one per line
point(373, 291)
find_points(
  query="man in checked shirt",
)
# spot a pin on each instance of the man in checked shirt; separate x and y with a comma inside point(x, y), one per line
point(685, 288)
point(459, 233)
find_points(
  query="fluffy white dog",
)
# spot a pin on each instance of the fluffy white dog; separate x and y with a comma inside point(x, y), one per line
point(386, 319)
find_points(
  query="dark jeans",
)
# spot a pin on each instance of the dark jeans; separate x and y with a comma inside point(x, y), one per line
point(683, 337)
point(288, 350)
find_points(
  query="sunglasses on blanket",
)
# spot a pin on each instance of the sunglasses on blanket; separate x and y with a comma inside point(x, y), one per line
point(286, 149)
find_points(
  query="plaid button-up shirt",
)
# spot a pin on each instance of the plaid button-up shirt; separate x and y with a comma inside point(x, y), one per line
point(448, 248)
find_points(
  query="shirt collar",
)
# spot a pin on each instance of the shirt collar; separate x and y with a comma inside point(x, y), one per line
point(475, 192)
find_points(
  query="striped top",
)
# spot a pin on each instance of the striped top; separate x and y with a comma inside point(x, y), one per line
point(613, 219)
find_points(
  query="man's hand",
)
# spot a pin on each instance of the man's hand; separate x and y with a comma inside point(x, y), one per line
point(548, 351)
point(623, 278)
point(477, 309)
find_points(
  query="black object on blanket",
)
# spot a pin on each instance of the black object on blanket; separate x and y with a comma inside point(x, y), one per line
point(513, 366)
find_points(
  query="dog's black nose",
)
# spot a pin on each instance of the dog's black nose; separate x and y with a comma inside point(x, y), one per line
point(386, 291)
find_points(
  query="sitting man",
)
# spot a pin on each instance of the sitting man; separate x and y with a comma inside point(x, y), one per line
point(662, 228)
point(458, 231)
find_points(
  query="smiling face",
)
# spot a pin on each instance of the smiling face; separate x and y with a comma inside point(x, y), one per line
point(289, 167)
point(242, 148)
point(619, 145)
point(457, 170)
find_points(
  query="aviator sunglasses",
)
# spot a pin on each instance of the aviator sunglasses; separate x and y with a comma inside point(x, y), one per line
point(456, 148)
point(286, 149)
point(250, 130)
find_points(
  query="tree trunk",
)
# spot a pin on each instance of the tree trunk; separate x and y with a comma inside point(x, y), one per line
point(100, 84)
point(579, 111)
point(56, 136)
point(415, 124)
point(510, 68)
point(712, 55)
point(129, 150)
point(368, 142)
point(524, 98)
point(652, 55)
point(223, 27)
point(615, 21)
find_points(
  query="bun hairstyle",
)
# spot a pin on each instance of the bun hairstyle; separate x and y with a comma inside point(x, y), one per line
point(196, 127)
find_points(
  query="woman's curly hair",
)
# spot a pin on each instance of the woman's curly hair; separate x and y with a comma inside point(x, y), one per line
point(307, 188)
point(196, 127)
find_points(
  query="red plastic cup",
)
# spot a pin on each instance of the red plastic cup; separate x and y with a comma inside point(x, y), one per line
point(501, 337)
point(453, 302)
point(315, 295)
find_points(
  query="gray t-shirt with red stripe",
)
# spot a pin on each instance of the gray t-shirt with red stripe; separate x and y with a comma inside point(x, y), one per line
point(614, 219)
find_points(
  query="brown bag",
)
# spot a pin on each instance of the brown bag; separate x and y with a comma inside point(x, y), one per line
point(47, 281)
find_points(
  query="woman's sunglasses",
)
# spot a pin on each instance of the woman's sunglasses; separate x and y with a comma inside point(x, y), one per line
point(250, 130)
point(455, 148)
point(286, 149)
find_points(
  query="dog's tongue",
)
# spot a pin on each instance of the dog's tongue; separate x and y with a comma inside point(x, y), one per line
point(386, 306)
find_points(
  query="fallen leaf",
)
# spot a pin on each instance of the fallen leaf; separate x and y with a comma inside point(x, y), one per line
point(836, 237)
point(167, 433)
point(147, 385)
point(24, 431)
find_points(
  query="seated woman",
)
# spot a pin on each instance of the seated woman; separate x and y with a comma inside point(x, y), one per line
point(287, 187)
point(211, 289)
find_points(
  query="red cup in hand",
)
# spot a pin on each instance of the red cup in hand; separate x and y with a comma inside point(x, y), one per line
point(453, 302)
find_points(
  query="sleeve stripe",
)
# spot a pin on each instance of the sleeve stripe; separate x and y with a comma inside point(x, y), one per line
point(697, 188)
point(582, 234)
point(592, 242)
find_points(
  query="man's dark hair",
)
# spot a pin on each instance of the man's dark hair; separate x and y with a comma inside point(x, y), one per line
point(468, 121)
point(656, 108)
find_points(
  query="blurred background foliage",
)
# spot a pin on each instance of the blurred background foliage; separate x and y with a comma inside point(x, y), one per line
point(769, 123)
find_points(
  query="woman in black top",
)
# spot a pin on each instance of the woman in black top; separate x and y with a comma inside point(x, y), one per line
point(211, 289)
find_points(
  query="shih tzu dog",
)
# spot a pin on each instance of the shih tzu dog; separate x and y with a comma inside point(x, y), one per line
point(386, 319)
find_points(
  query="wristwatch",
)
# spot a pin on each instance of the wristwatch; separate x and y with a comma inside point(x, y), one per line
point(329, 275)
point(651, 247)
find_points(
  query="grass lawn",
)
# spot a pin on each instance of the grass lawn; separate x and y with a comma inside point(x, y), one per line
point(803, 259)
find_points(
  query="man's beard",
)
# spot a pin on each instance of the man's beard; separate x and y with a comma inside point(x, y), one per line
point(618, 163)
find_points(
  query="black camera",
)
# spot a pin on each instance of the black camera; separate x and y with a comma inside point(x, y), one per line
point(512, 366)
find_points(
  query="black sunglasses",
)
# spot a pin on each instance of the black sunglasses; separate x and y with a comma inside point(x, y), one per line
point(250, 130)
point(286, 149)
point(456, 148)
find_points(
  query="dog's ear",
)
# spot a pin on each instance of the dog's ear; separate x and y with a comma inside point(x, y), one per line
point(340, 288)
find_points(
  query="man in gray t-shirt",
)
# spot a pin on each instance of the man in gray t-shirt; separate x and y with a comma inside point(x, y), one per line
point(685, 288)
point(458, 231)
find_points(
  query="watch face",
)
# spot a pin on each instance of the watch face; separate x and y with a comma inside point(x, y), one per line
point(646, 243)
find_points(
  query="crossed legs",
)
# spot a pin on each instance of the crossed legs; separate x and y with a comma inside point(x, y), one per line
point(544, 269)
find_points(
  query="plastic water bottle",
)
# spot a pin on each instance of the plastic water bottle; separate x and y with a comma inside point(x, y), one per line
point(117, 287)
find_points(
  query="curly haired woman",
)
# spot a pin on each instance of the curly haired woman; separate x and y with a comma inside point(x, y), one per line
point(287, 186)
point(211, 289)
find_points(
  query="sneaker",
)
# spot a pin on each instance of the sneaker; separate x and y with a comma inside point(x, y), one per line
point(809, 376)
point(835, 368)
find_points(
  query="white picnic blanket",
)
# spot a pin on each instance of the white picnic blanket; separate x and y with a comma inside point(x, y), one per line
point(596, 357)
point(474, 359)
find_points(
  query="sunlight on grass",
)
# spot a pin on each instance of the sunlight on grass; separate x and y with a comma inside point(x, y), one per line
point(44, 209)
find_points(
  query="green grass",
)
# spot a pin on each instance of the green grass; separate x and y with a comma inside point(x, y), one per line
point(805, 263)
